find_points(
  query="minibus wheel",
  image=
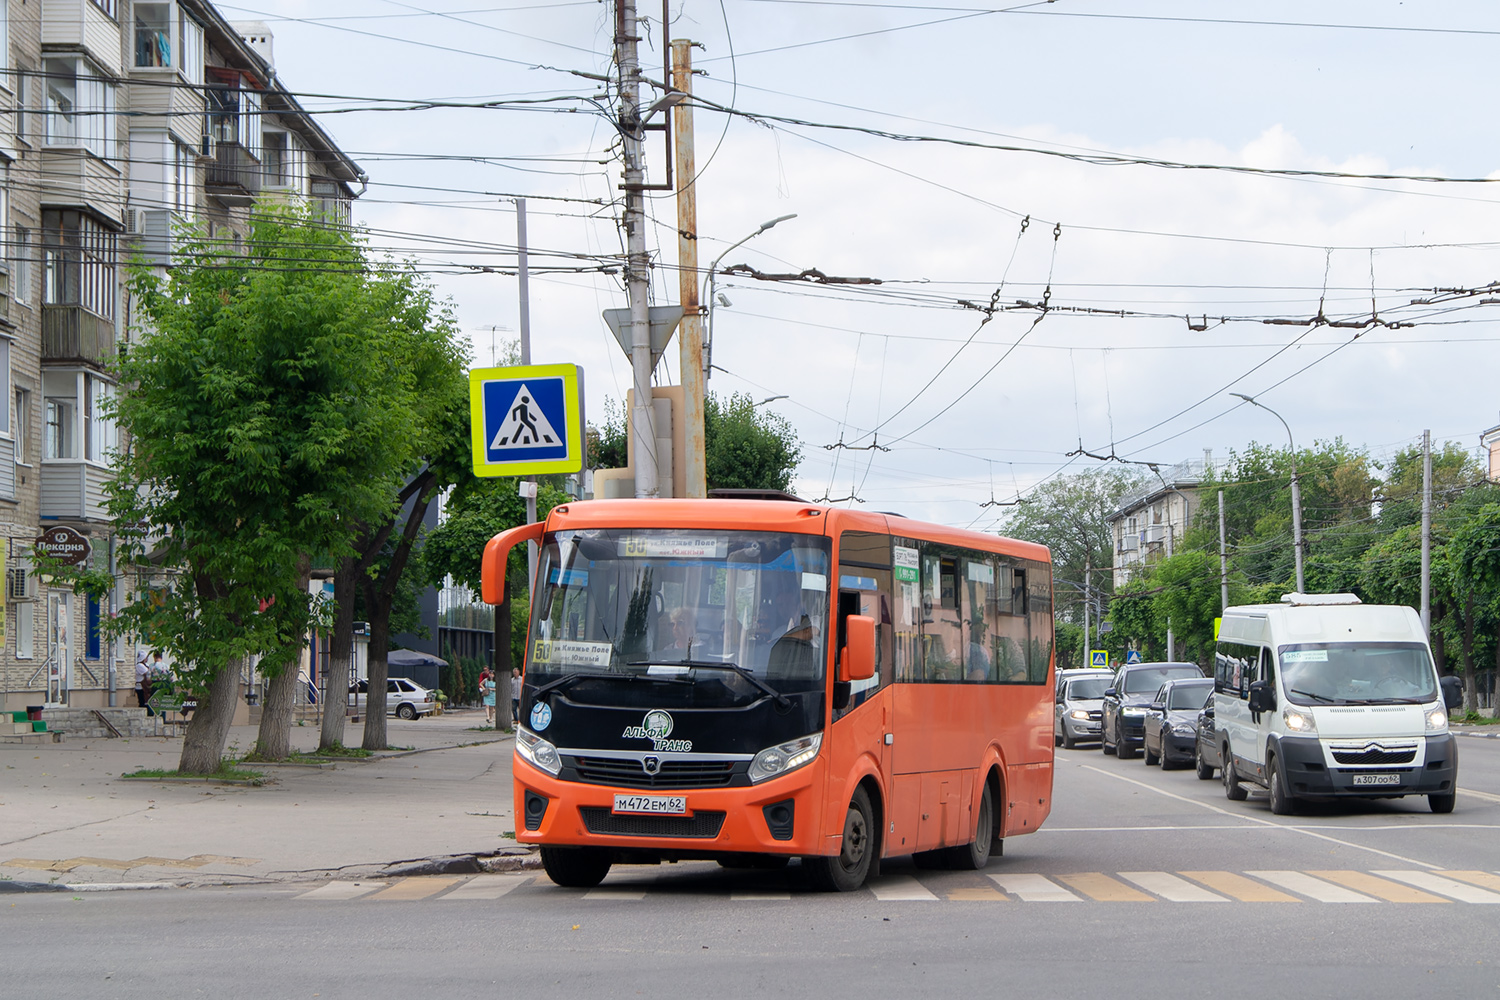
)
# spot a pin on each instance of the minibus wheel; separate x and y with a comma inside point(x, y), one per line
point(847, 870)
point(1282, 804)
point(1442, 802)
point(576, 867)
point(1233, 790)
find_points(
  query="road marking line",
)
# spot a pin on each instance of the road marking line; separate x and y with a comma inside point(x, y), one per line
point(1171, 888)
point(1097, 885)
point(777, 897)
point(978, 894)
point(1446, 886)
point(1316, 888)
point(488, 886)
point(416, 887)
point(1256, 819)
point(1034, 889)
point(1391, 892)
point(1487, 796)
point(342, 890)
point(893, 888)
point(1241, 888)
point(612, 893)
point(1483, 879)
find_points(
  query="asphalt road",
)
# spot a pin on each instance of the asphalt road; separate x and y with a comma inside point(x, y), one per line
point(1174, 890)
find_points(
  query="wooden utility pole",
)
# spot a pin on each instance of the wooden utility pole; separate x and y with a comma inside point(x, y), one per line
point(637, 261)
point(690, 332)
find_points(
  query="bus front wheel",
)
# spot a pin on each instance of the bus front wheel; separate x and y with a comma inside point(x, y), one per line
point(576, 867)
point(847, 871)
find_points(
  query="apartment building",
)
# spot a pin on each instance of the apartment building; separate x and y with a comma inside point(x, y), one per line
point(1152, 519)
point(119, 121)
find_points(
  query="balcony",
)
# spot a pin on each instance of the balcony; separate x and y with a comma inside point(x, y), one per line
point(74, 335)
point(234, 176)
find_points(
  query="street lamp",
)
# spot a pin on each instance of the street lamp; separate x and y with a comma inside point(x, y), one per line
point(709, 282)
point(771, 399)
point(1296, 493)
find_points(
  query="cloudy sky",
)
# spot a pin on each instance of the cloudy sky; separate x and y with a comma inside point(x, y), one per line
point(1157, 279)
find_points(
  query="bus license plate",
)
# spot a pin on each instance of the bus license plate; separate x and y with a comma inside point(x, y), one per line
point(1377, 779)
point(668, 805)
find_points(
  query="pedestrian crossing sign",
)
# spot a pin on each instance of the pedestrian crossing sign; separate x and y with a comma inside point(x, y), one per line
point(526, 420)
point(1099, 658)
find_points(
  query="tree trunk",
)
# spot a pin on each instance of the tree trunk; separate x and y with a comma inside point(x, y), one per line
point(336, 700)
point(274, 740)
point(1439, 647)
point(500, 659)
point(208, 730)
point(380, 646)
point(1471, 700)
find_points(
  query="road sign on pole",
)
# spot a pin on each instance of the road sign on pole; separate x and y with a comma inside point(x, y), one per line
point(1099, 658)
point(526, 420)
point(1134, 656)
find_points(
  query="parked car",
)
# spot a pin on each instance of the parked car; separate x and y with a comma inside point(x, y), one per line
point(1206, 746)
point(1172, 721)
point(1123, 726)
point(403, 698)
point(1080, 698)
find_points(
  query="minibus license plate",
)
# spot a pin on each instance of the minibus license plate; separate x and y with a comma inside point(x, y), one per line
point(668, 805)
point(1377, 779)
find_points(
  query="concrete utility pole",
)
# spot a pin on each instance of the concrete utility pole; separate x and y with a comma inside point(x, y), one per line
point(1296, 492)
point(1088, 567)
point(1427, 532)
point(1171, 645)
point(637, 263)
point(690, 331)
point(1223, 560)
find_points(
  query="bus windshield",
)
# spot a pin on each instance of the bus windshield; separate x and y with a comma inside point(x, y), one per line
point(1356, 673)
point(711, 618)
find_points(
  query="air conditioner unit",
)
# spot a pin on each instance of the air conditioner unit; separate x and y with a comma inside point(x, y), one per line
point(1155, 533)
point(1129, 543)
point(20, 584)
point(133, 221)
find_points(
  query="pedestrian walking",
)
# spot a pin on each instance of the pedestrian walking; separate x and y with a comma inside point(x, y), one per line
point(143, 681)
point(487, 692)
point(515, 694)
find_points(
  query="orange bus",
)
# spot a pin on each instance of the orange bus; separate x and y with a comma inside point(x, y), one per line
point(750, 681)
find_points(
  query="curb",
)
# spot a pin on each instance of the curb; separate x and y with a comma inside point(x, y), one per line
point(252, 782)
point(19, 887)
point(1476, 735)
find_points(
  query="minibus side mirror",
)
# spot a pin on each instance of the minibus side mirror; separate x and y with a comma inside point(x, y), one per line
point(1453, 692)
point(858, 660)
point(1262, 698)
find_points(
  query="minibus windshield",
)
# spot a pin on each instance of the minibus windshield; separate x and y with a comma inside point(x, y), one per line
point(1358, 673)
point(706, 618)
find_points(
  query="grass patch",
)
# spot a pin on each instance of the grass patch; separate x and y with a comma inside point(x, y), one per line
point(227, 771)
point(1475, 719)
point(337, 750)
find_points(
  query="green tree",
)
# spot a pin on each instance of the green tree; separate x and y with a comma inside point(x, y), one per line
point(264, 418)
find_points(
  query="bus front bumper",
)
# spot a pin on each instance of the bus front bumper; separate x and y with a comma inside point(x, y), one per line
point(1306, 771)
point(782, 815)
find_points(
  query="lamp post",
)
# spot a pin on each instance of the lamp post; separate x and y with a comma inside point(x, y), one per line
point(713, 271)
point(1296, 493)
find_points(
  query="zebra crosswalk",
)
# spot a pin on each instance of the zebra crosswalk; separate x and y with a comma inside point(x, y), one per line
point(1262, 886)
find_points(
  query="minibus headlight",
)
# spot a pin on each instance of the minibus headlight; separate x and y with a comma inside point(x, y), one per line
point(1437, 719)
point(1298, 721)
point(1080, 714)
point(777, 760)
point(537, 751)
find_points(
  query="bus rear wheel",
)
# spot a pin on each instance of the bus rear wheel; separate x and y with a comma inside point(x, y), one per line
point(576, 867)
point(848, 870)
point(972, 857)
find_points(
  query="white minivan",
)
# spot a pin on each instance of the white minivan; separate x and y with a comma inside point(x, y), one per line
point(1322, 696)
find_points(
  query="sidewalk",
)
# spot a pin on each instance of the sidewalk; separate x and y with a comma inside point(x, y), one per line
point(66, 818)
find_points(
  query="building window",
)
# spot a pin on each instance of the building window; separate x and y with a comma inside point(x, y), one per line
point(153, 35)
point(25, 101)
point(20, 287)
point(108, 6)
point(70, 396)
point(275, 161)
point(24, 630)
point(190, 35)
point(5, 384)
point(22, 422)
point(99, 424)
point(331, 202)
point(78, 262)
point(91, 632)
point(234, 117)
point(182, 178)
point(80, 106)
point(60, 410)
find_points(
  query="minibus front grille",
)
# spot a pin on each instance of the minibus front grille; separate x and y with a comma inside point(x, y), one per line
point(627, 772)
point(701, 826)
point(1375, 755)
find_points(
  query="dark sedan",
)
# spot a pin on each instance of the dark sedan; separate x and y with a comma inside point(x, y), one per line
point(1123, 727)
point(1172, 721)
point(1206, 752)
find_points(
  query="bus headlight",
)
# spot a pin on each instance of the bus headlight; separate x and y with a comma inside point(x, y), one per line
point(537, 751)
point(778, 760)
point(1437, 719)
point(1299, 722)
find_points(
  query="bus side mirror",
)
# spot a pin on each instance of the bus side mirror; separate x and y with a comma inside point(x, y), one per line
point(857, 663)
point(1453, 692)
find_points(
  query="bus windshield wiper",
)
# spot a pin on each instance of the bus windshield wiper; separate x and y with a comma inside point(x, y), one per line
point(1397, 701)
point(1320, 697)
point(596, 675)
point(781, 699)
